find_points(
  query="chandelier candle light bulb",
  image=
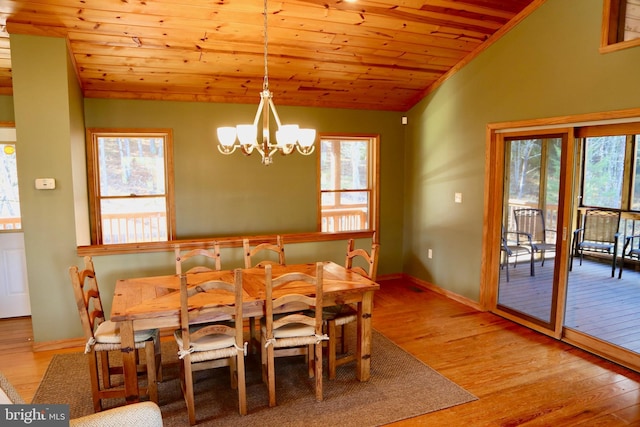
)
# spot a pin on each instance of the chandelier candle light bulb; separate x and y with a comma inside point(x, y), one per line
point(288, 136)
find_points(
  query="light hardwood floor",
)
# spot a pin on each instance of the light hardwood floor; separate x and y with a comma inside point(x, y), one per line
point(520, 376)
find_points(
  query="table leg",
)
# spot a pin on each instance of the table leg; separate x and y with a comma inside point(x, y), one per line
point(363, 350)
point(129, 364)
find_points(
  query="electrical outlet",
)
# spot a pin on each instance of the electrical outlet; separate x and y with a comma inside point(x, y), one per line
point(430, 254)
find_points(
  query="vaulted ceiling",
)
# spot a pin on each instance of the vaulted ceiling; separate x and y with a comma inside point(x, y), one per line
point(365, 54)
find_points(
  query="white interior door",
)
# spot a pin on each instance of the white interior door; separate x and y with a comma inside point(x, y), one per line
point(14, 289)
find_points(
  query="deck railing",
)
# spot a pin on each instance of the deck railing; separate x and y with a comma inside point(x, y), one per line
point(134, 227)
point(344, 219)
point(151, 226)
point(10, 224)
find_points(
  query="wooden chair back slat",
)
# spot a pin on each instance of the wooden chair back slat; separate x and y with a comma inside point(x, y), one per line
point(250, 253)
point(208, 255)
point(370, 259)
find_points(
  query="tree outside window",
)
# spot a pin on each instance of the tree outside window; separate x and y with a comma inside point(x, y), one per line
point(130, 184)
point(603, 171)
point(347, 183)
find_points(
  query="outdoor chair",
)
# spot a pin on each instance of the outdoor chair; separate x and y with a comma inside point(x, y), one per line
point(532, 232)
point(631, 250)
point(510, 248)
point(598, 234)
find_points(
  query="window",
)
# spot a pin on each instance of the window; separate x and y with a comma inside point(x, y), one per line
point(621, 25)
point(9, 198)
point(610, 166)
point(603, 171)
point(348, 183)
point(131, 185)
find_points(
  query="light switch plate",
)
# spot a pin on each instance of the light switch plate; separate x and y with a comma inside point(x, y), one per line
point(45, 183)
point(458, 197)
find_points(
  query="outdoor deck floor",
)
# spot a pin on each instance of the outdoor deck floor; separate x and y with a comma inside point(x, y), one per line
point(599, 305)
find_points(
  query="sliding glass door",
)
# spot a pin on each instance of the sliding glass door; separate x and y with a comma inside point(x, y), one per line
point(530, 227)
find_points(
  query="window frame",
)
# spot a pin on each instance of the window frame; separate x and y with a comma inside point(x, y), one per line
point(612, 26)
point(373, 172)
point(629, 131)
point(93, 178)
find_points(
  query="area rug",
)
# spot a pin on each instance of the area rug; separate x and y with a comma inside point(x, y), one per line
point(400, 387)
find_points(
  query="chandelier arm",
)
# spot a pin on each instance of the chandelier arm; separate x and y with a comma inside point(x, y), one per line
point(305, 151)
point(275, 113)
point(227, 150)
point(258, 115)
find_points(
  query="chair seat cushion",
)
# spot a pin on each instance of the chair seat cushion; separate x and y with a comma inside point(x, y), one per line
point(596, 246)
point(294, 330)
point(206, 343)
point(109, 333)
point(291, 330)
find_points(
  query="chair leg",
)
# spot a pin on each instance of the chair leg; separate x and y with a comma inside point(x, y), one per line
point(318, 373)
point(157, 349)
point(241, 382)
point(152, 384)
point(106, 371)
point(310, 360)
point(533, 268)
point(263, 358)
point(252, 335)
point(621, 266)
point(331, 331)
point(95, 381)
point(271, 375)
point(187, 388)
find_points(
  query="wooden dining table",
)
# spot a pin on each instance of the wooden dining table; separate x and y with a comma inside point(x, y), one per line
point(154, 302)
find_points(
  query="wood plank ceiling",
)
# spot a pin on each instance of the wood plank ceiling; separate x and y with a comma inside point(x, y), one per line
point(365, 54)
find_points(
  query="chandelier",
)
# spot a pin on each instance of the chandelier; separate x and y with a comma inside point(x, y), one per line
point(288, 137)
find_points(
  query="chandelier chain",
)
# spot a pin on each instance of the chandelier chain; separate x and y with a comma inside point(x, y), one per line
point(265, 85)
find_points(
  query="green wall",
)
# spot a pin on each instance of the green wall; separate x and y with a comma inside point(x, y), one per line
point(6, 108)
point(547, 66)
point(216, 195)
point(48, 117)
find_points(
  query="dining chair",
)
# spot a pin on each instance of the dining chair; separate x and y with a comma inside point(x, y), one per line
point(295, 329)
point(261, 251)
point(599, 234)
point(530, 223)
point(337, 317)
point(211, 345)
point(207, 257)
point(256, 256)
point(103, 336)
